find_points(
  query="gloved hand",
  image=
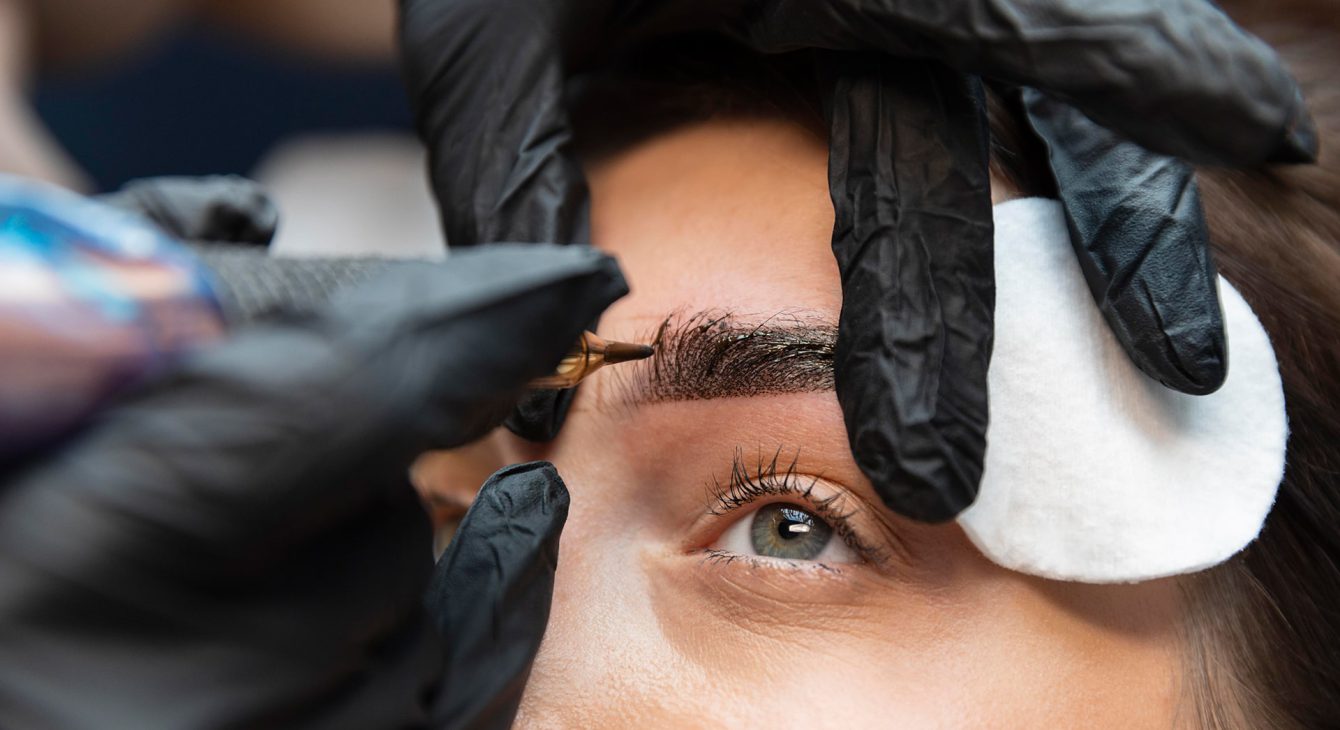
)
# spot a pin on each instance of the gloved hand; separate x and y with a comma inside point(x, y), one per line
point(111, 298)
point(908, 164)
point(221, 209)
point(1176, 77)
point(237, 544)
point(227, 222)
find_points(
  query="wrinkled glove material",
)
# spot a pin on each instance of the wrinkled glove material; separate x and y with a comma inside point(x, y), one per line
point(1165, 73)
point(913, 240)
point(506, 550)
point(500, 170)
point(1139, 232)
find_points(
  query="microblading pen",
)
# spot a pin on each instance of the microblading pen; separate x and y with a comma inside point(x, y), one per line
point(589, 355)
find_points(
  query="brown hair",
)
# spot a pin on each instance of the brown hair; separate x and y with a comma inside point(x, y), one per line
point(1262, 631)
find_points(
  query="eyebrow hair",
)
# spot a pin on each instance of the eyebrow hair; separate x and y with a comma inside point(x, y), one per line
point(716, 354)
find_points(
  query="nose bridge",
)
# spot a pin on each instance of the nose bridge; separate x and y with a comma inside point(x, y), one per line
point(598, 663)
point(597, 594)
point(568, 683)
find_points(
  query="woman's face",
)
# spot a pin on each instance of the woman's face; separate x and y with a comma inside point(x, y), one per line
point(725, 563)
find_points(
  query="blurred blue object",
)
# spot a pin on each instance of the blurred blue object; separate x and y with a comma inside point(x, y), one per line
point(204, 102)
point(92, 299)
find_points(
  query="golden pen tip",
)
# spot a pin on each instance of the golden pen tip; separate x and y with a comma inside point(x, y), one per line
point(626, 352)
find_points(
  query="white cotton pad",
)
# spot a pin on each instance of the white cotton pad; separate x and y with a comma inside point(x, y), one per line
point(1094, 471)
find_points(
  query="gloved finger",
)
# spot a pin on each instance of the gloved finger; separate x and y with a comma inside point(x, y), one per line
point(1176, 76)
point(252, 285)
point(225, 208)
point(486, 81)
point(1139, 231)
point(540, 414)
point(326, 411)
point(500, 170)
point(507, 547)
point(106, 592)
point(913, 240)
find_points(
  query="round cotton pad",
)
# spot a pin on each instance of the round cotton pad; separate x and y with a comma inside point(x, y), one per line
point(1095, 472)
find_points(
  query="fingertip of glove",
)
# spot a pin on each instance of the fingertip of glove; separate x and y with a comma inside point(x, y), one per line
point(1177, 340)
point(537, 481)
point(1195, 366)
point(606, 268)
point(1300, 144)
point(912, 469)
point(531, 493)
point(923, 501)
point(510, 535)
point(605, 278)
point(540, 414)
point(224, 208)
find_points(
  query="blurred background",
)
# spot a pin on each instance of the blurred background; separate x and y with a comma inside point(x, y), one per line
point(302, 95)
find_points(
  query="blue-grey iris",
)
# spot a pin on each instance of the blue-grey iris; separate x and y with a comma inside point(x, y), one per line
point(786, 531)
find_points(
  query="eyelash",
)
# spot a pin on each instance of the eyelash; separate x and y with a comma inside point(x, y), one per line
point(770, 479)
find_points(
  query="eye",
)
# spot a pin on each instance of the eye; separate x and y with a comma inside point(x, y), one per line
point(785, 531)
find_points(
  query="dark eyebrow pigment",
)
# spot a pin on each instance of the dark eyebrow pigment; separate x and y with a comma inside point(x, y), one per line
point(715, 354)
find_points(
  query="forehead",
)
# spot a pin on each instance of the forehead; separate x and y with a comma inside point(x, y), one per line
point(730, 215)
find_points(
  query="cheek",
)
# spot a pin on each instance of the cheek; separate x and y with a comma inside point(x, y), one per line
point(641, 634)
point(605, 661)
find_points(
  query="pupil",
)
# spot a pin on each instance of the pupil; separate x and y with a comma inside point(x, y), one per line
point(788, 531)
point(793, 524)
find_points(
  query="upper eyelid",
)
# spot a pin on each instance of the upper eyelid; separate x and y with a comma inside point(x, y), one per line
point(740, 475)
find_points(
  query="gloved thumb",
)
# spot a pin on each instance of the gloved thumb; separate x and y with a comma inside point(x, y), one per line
point(490, 595)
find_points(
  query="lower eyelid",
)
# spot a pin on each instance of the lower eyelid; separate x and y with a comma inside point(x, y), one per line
point(722, 558)
point(791, 595)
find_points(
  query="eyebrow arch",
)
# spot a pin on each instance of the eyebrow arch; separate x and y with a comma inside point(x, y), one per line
point(716, 354)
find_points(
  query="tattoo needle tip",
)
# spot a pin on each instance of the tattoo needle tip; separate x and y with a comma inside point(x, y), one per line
point(616, 352)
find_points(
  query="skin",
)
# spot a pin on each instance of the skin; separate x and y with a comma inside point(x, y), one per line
point(647, 631)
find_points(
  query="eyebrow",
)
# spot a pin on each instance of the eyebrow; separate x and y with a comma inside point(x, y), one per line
point(714, 354)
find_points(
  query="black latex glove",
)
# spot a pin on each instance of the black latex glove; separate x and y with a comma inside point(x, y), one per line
point(228, 223)
point(1139, 233)
point(237, 544)
point(908, 172)
point(515, 523)
point(486, 78)
point(1178, 77)
point(222, 209)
